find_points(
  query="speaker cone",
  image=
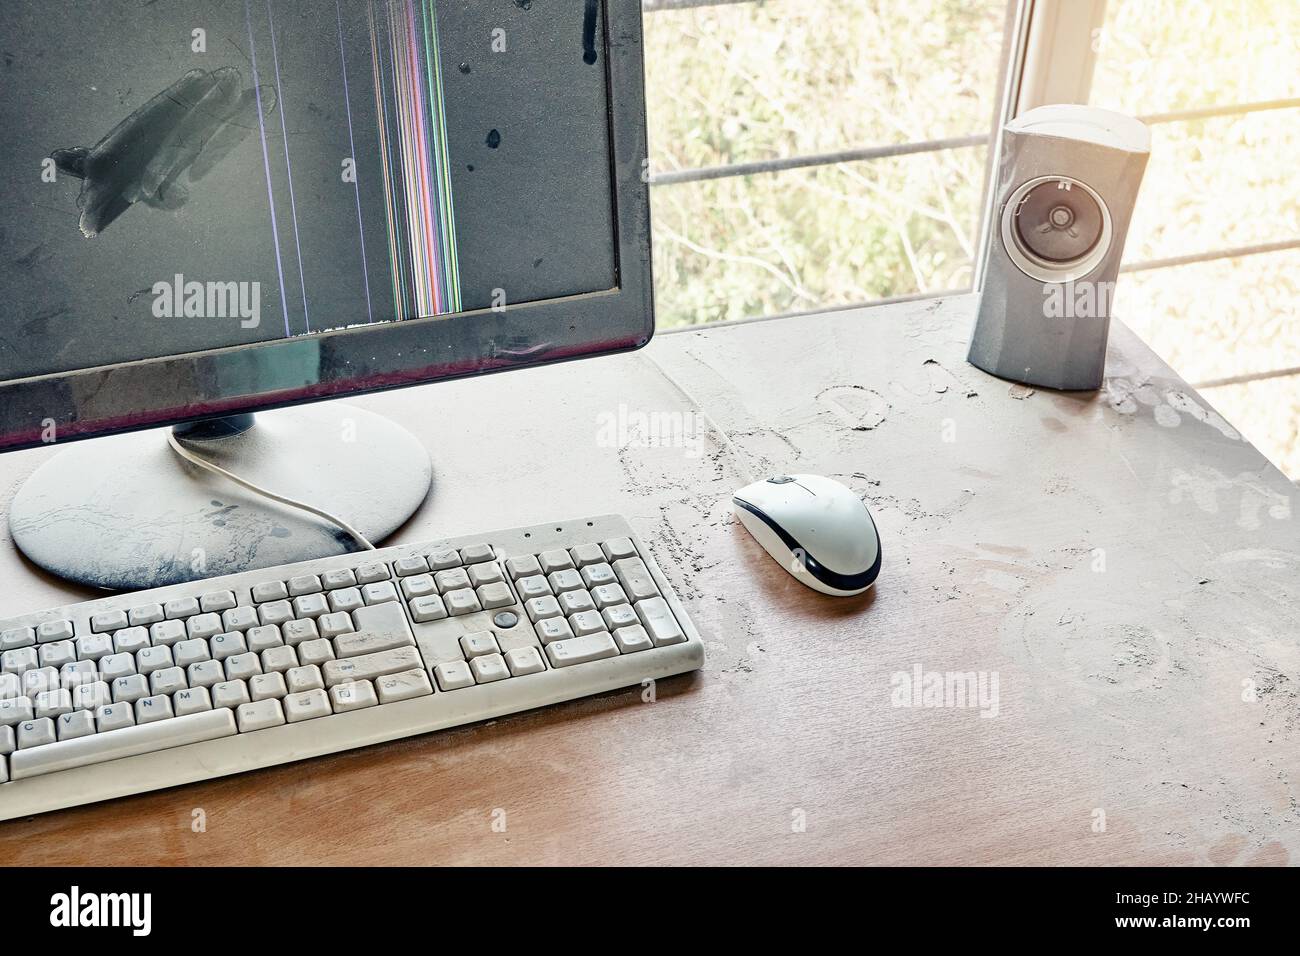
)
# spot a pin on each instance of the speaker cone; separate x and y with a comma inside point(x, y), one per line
point(1056, 229)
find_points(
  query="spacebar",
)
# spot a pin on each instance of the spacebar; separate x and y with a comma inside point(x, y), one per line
point(127, 742)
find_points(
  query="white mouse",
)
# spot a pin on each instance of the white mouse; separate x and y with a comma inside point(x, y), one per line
point(815, 528)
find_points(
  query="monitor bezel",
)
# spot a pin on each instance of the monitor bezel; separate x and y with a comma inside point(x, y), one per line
point(157, 392)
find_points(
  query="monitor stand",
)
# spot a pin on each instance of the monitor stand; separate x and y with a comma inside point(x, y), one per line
point(127, 513)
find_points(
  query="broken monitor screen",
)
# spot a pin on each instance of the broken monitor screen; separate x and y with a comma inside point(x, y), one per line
point(186, 175)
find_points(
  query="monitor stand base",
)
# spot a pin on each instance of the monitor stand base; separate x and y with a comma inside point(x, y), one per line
point(127, 513)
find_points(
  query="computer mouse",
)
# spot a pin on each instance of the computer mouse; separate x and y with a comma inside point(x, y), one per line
point(815, 528)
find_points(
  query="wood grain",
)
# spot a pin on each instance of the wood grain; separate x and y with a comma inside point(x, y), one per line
point(1123, 562)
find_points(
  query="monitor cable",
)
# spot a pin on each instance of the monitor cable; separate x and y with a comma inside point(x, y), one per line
point(206, 465)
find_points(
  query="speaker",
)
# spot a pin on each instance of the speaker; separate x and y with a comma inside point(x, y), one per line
point(1066, 184)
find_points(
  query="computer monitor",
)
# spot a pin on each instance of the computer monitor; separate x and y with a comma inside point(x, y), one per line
point(211, 210)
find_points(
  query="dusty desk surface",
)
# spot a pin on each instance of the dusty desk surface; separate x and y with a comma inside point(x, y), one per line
point(1123, 564)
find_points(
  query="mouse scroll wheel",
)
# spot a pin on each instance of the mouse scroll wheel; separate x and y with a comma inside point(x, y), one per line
point(780, 480)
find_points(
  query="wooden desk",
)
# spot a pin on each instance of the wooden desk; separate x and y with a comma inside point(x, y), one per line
point(1123, 562)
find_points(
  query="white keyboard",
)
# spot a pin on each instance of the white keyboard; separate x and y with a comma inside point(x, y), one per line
point(157, 688)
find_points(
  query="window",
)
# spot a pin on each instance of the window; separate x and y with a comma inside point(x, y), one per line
point(812, 154)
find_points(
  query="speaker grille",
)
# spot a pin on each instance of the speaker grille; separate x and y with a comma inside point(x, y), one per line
point(1056, 229)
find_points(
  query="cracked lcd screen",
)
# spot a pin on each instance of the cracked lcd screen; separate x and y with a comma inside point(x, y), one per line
point(185, 176)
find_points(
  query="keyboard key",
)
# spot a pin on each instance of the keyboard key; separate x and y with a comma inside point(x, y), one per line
point(299, 679)
point(259, 715)
point(270, 591)
point(92, 696)
point(57, 653)
point(353, 695)
point(18, 660)
point(476, 553)
point(523, 566)
point(464, 601)
point(618, 548)
point(94, 646)
point(348, 599)
point(608, 595)
point(205, 625)
point(372, 572)
point(594, 575)
point(632, 638)
point(150, 659)
point(15, 710)
point(8, 744)
point(168, 680)
point(275, 659)
point(452, 579)
point(479, 643)
point(453, 675)
point(114, 717)
point(332, 625)
point(277, 612)
point(123, 742)
point(205, 674)
point(524, 660)
point(533, 587)
point(315, 652)
point(635, 578)
point(542, 607)
point(242, 618)
point(574, 602)
point(310, 605)
point(265, 686)
point(379, 592)
point(117, 665)
point(10, 686)
point(305, 706)
point(490, 668)
point(444, 558)
point(566, 580)
point(403, 686)
point(230, 693)
point(429, 608)
point(192, 701)
point(52, 703)
point(243, 666)
point(109, 621)
point(76, 673)
point(228, 645)
point(370, 666)
point(304, 584)
point(581, 650)
point(160, 634)
point(416, 564)
point(553, 629)
point(146, 615)
point(79, 723)
point(17, 637)
point(556, 560)
point(620, 615)
point(419, 585)
point(38, 680)
point(263, 636)
point(495, 595)
point(150, 709)
point(585, 554)
point(339, 578)
point(378, 628)
point(35, 733)
point(54, 631)
point(185, 653)
point(659, 622)
point(296, 632)
point(217, 601)
point(586, 622)
point(486, 573)
point(181, 608)
point(128, 690)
